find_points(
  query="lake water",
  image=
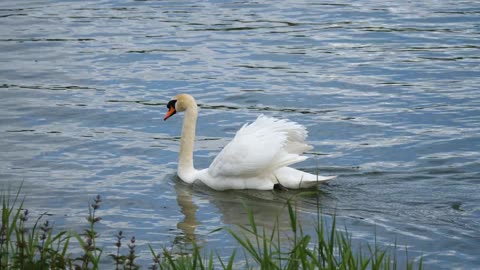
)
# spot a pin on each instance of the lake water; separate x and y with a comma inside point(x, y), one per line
point(389, 92)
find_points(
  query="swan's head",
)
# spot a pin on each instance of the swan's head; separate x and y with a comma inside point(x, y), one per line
point(179, 103)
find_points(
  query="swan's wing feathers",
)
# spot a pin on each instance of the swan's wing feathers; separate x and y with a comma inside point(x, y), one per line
point(261, 147)
point(296, 134)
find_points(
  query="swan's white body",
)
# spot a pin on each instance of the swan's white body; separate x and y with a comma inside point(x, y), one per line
point(257, 158)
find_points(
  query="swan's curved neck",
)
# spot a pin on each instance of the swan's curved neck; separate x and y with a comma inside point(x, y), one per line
point(186, 171)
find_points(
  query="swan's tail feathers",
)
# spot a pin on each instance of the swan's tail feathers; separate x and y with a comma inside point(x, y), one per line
point(308, 183)
point(294, 179)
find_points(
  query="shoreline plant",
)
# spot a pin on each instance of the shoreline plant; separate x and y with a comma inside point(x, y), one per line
point(40, 247)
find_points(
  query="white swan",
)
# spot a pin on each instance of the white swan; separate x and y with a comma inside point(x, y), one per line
point(256, 158)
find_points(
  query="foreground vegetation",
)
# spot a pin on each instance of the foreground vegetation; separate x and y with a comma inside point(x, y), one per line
point(39, 247)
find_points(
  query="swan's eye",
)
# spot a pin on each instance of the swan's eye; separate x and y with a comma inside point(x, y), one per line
point(171, 104)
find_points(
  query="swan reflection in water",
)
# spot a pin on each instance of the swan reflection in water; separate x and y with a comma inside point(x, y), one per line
point(268, 207)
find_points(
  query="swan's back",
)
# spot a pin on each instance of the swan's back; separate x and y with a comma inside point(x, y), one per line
point(260, 148)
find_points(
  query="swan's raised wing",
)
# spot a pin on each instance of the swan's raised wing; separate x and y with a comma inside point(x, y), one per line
point(261, 147)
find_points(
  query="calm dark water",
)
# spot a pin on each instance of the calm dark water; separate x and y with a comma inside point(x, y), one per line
point(388, 90)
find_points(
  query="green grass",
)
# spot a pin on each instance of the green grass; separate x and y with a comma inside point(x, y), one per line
point(39, 247)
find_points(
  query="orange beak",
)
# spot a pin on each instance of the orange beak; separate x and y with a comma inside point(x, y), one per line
point(170, 112)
